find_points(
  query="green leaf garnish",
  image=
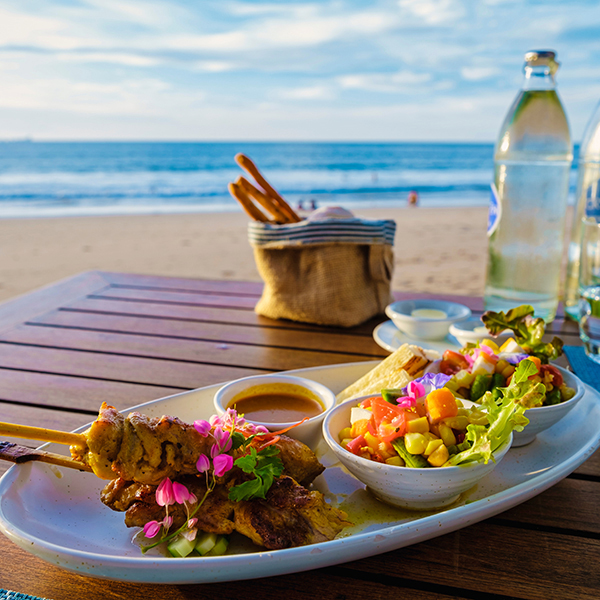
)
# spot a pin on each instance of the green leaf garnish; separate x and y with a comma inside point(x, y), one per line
point(528, 331)
point(265, 465)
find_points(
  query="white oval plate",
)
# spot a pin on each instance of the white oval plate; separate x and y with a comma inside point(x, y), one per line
point(56, 513)
point(390, 338)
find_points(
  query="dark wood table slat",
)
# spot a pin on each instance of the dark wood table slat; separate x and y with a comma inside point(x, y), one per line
point(186, 312)
point(23, 340)
point(182, 284)
point(175, 297)
point(490, 558)
point(119, 368)
point(41, 389)
point(218, 332)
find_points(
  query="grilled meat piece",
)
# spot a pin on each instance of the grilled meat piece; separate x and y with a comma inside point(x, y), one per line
point(148, 449)
point(138, 501)
point(104, 439)
point(299, 461)
point(289, 516)
point(155, 448)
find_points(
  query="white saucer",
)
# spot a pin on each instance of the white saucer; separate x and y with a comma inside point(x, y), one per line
point(389, 337)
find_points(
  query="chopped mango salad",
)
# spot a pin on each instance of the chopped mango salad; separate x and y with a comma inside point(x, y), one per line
point(484, 367)
point(425, 424)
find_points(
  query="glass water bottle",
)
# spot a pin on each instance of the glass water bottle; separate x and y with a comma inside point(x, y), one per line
point(533, 157)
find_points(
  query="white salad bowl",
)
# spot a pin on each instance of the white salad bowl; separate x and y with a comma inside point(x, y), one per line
point(417, 489)
point(544, 417)
point(473, 331)
point(308, 432)
point(434, 319)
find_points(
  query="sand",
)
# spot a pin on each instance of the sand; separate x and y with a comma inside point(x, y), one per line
point(436, 250)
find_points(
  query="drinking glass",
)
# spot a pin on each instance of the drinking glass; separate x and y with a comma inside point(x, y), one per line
point(589, 288)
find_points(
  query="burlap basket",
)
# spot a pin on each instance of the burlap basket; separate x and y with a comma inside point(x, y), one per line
point(334, 272)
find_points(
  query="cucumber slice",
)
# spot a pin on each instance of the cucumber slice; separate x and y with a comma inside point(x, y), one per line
point(220, 547)
point(205, 542)
point(180, 547)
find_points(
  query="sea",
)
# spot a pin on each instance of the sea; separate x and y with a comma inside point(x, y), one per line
point(49, 179)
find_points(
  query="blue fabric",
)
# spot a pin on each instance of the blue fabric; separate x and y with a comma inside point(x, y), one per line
point(585, 368)
point(9, 595)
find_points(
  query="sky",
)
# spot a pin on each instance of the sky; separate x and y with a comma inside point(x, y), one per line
point(347, 70)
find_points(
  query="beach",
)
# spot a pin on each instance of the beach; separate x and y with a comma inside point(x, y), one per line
point(439, 250)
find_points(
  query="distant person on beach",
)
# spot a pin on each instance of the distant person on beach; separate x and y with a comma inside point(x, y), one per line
point(413, 198)
point(300, 205)
point(313, 205)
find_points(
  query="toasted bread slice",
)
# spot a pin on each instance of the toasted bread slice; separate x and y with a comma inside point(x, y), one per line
point(395, 371)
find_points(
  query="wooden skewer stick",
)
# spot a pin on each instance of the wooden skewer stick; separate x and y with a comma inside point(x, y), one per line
point(267, 203)
point(247, 203)
point(251, 168)
point(42, 434)
point(20, 454)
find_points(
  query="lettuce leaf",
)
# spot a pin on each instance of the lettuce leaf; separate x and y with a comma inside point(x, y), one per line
point(505, 415)
point(528, 331)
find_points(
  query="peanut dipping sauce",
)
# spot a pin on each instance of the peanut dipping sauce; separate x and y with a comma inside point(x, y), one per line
point(276, 403)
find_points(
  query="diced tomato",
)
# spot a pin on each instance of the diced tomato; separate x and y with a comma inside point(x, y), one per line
point(366, 403)
point(452, 362)
point(389, 421)
point(557, 378)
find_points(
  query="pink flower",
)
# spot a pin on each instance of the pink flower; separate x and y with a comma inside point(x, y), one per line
point(215, 421)
point(407, 402)
point(222, 439)
point(181, 493)
point(164, 493)
point(202, 427)
point(222, 463)
point(415, 389)
point(189, 534)
point(151, 528)
point(203, 463)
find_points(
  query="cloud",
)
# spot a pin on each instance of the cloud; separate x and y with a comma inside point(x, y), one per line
point(478, 73)
point(316, 92)
point(434, 12)
point(388, 83)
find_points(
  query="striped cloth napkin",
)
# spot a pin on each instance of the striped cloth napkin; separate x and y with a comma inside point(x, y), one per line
point(326, 231)
point(10, 595)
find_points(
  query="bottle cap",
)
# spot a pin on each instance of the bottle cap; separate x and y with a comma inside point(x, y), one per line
point(542, 58)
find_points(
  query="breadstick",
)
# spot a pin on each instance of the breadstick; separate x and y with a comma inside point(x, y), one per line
point(267, 203)
point(21, 454)
point(250, 167)
point(247, 204)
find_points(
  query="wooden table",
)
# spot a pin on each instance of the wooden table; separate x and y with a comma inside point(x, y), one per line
point(127, 339)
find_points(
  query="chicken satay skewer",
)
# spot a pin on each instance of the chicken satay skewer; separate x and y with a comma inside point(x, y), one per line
point(251, 168)
point(21, 454)
point(42, 434)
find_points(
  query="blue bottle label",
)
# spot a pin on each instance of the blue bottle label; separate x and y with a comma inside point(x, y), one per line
point(495, 211)
point(592, 200)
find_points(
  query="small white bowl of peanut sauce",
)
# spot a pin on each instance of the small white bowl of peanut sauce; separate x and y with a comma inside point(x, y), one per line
point(278, 402)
